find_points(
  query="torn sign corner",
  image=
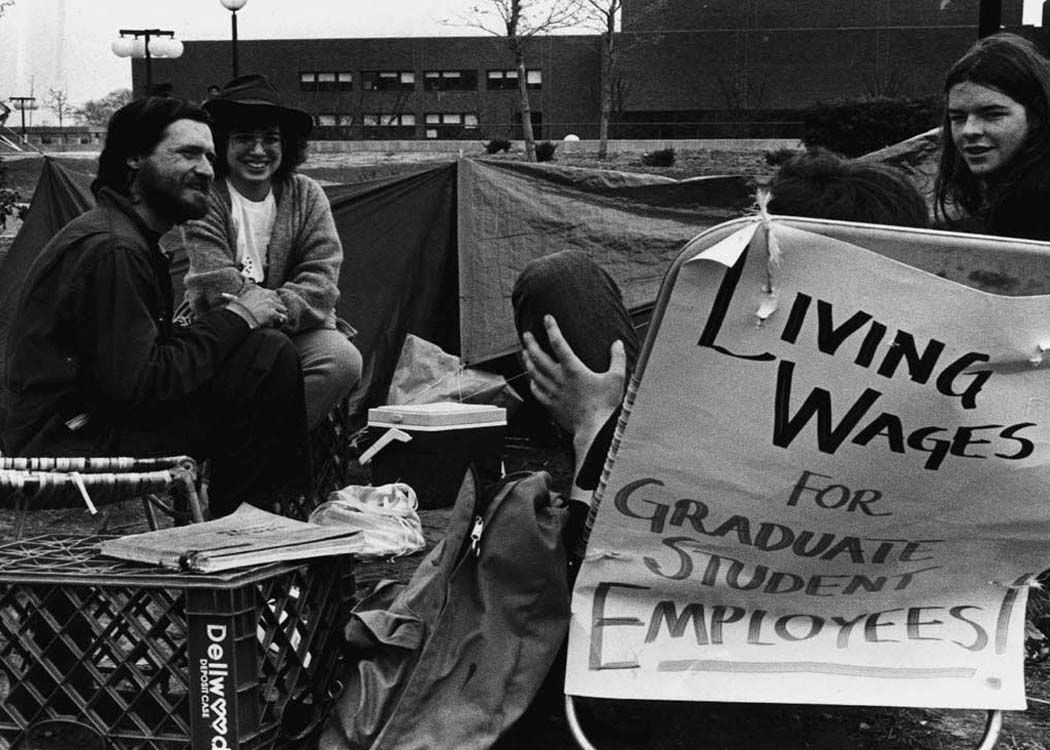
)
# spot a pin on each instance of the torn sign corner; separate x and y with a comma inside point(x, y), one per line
point(727, 250)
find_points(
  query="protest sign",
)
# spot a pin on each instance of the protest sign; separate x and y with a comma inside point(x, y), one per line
point(831, 487)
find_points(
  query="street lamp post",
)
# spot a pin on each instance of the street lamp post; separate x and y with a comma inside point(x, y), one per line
point(22, 103)
point(233, 6)
point(989, 18)
point(136, 43)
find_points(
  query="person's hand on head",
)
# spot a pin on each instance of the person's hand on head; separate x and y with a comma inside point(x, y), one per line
point(263, 305)
point(579, 399)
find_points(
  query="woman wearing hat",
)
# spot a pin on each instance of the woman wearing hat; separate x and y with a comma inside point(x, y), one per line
point(270, 226)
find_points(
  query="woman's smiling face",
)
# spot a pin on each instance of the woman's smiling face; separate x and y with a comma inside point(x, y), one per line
point(988, 127)
point(253, 157)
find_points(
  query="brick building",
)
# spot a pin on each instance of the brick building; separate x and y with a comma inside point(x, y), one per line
point(687, 68)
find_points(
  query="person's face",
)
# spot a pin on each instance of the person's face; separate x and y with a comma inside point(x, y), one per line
point(988, 127)
point(253, 157)
point(173, 181)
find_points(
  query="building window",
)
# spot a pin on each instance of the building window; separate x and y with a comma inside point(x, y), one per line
point(450, 80)
point(380, 120)
point(388, 80)
point(328, 80)
point(387, 125)
point(502, 79)
point(451, 125)
point(505, 80)
point(333, 120)
point(537, 125)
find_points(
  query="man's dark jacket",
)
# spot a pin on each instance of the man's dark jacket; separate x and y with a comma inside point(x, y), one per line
point(92, 349)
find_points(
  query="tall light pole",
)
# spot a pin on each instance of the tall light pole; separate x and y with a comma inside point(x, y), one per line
point(136, 43)
point(22, 103)
point(233, 6)
point(989, 18)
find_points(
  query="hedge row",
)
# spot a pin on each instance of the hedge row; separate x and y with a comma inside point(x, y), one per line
point(859, 127)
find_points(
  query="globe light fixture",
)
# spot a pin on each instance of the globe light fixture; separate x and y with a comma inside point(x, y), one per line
point(147, 44)
point(233, 6)
point(23, 103)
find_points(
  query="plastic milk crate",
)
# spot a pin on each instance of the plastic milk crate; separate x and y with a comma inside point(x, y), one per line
point(161, 660)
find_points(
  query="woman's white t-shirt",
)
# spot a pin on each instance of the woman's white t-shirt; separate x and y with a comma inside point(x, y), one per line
point(252, 223)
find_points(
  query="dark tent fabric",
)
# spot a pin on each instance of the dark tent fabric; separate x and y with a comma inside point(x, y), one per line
point(435, 253)
point(632, 224)
point(60, 196)
point(399, 271)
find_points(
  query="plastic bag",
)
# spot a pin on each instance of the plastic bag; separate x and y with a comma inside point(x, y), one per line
point(385, 515)
point(426, 374)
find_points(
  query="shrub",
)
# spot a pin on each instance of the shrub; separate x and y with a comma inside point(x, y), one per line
point(662, 158)
point(545, 151)
point(496, 145)
point(10, 201)
point(10, 205)
point(778, 157)
point(854, 128)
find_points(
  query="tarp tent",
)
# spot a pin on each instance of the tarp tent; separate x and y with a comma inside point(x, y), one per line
point(61, 194)
point(435, 253)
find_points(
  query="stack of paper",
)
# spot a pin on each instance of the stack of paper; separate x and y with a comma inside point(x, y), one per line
point(248, 536)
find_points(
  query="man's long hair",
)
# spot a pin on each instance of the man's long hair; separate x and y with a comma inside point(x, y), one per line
point(134, 131)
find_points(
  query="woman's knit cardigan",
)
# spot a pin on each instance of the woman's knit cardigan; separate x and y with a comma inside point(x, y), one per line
point(303, 257)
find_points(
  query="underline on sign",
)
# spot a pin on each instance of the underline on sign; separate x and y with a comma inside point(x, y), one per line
point(852, 670)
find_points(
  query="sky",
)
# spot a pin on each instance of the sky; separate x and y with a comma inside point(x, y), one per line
point(65, 44)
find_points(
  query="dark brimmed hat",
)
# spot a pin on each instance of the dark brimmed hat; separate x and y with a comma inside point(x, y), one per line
point(239, 97)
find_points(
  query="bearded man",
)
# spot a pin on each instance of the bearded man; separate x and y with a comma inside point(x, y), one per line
point(95, 364)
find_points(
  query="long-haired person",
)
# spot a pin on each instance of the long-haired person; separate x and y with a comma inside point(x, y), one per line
point(995, 156)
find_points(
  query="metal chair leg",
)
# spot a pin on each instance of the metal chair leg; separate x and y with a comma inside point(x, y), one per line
point(993, 724)
point(992, 727)
point(574, 725)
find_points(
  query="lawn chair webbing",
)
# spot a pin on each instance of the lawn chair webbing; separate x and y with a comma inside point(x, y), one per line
point(61, 482)
point(133, 483)
point(95, 464)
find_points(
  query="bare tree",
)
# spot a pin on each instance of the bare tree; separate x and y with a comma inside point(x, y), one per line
point(96, 112)
point(58, 102)
point(603, 16)
point(519, 21)
point(4, 4)
point(889, 83)
point(743, 94)
point(605, 13)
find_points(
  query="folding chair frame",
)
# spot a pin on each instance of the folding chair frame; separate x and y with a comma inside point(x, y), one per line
point(993, 725)
point(123, 477)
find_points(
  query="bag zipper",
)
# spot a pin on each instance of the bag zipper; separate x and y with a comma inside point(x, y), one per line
point(493, 508)
point(475, 535)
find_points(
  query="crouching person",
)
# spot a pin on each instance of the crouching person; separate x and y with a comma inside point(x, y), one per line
point(95, 365)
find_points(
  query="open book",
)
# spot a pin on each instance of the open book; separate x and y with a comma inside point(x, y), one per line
point(248, 536)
